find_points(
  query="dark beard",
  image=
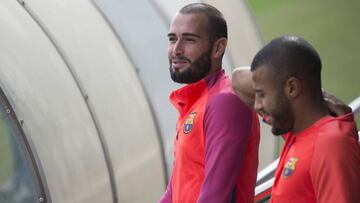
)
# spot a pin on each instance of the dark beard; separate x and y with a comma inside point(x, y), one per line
point(197, 70)
point(283, 117)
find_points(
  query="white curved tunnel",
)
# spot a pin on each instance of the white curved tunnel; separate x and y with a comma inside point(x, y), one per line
point(84, 86)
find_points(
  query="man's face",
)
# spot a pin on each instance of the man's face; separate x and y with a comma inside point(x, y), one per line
point(271, 102)
point(189, 50)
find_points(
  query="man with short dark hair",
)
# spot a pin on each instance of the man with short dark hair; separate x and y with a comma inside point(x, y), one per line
point(217, 135)
point(320, 161)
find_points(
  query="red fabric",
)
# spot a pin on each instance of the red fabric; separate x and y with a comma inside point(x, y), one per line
point(320, 164)
point(216, 145)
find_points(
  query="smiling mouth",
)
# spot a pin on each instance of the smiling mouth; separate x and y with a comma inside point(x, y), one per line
point(179, 63)
point(266, 118)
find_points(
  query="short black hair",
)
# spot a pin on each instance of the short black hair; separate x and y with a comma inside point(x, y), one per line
point(291, 56)
point(217, 26)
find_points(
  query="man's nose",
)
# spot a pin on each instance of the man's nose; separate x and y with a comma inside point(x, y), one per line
point(178, 48)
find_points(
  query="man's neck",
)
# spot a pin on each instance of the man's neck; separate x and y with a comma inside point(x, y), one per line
point(308, 114)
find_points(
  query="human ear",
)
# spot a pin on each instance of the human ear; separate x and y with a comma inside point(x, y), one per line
point(218, 48)
point(293, 87)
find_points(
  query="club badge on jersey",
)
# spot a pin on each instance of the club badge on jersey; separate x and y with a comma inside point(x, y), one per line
point(290, 166)
point(189, 122)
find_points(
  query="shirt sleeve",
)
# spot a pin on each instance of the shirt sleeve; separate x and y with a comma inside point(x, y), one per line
point(335, 170)
point(227, 126)
point(167, 196)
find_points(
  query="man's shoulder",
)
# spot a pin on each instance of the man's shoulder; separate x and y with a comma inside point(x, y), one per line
point(336, 136)
point(226, 99)
point(222, 98)
point(222, 92)
point(333, 129)
point(334, 141)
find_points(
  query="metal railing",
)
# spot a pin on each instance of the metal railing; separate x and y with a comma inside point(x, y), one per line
point(355, 106)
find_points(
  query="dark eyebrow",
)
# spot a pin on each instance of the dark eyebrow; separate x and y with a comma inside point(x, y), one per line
point(171, 35)
point(184, 34)
point(191, 35)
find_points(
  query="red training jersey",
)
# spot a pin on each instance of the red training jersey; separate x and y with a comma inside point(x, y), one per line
point(320, 164)
point(216, 145)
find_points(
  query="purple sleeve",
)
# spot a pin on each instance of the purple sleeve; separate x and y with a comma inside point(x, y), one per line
point(227, 124)
point(167, 196)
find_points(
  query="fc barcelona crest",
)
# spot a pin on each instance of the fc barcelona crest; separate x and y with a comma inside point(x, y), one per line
point(189, 122)
point(290, 166)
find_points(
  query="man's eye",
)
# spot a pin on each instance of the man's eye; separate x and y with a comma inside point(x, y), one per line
point(172, 39)
point(259, 94)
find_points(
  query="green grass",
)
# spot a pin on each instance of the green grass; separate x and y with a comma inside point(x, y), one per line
point(331, 26)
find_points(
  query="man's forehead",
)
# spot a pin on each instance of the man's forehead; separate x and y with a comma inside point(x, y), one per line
point(261, 73)
point(192, 22)
point(265, 77)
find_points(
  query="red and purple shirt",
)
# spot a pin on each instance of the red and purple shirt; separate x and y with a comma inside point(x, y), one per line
point(216, 145)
